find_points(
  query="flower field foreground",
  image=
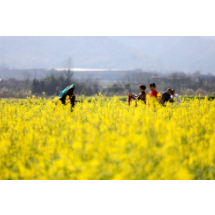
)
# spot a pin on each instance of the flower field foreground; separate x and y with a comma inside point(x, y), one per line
point(106, 139)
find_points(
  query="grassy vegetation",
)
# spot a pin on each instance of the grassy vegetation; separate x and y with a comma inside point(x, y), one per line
point(199, 97)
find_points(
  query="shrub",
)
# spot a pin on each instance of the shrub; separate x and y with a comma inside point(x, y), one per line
point(11, 93)
point(202, 92)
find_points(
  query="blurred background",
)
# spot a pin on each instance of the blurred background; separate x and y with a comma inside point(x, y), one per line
point(110, 65)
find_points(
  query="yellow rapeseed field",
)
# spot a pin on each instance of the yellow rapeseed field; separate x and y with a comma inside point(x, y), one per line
point(106, 139)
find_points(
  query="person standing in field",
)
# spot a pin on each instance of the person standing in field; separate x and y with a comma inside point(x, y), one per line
point(154, 95)
point(175, 97)
point(141, 96)
point(69, 91)
point(166, 97)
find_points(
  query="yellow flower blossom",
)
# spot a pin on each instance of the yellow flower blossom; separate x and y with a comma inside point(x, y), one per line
point(107, 139)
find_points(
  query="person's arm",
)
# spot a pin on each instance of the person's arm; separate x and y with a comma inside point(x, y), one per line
point(133, 96)
point(159, 96)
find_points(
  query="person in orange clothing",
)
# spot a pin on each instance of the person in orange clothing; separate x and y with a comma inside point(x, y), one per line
point(154, 95)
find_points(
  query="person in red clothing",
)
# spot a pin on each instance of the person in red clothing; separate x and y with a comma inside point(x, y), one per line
point(154, 95)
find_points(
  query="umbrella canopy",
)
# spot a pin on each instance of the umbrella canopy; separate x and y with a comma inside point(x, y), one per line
point(66, 90)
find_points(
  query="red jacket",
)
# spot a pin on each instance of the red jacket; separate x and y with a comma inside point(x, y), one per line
point(154, 93)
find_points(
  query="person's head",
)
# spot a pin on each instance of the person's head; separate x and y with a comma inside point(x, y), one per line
point(152, 86)
point(142, 87)
point(169, 91)
point(173, 92)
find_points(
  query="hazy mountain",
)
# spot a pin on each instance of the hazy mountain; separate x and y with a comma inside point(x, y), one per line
point(86, 52)
point(153, 45)
point(189, 53)
point(125, 52)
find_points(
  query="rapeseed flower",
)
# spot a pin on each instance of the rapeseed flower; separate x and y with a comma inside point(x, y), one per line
point(106, 139)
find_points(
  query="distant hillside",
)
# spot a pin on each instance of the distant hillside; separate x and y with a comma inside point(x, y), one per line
point(86, 52)
point(187, 53)
point(155, 53)
point(152, 45)
point(194, 53)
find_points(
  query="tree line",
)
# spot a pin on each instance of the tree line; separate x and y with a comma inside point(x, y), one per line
point(53, 84)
